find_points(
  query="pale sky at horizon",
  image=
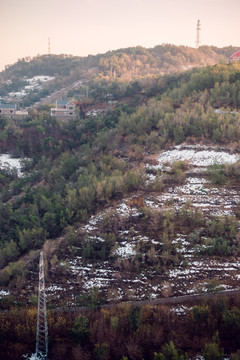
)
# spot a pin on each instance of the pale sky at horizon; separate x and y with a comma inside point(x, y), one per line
point(83, 27)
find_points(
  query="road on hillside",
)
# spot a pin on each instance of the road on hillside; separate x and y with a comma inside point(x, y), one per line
point(176, 300)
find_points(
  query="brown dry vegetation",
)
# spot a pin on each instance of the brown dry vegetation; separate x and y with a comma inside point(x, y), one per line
point(125, 330)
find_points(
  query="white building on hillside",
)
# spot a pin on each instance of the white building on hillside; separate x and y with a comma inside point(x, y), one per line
point(64, 110)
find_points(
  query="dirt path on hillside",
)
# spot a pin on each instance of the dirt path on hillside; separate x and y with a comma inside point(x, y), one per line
point(175, 300)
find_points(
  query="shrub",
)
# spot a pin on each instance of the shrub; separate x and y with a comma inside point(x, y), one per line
point(170, 352)
point(195, 236)
point(101, 352)
point(80, 330)
point(212, 351)
point(231, 319)
point(200, 313)
point(235, 356)
point(217, 175)
point(94, 249)
point(135, 318)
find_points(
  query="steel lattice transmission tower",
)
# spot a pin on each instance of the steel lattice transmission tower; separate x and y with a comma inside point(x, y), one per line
point(42, 328)
point(198, 34)
point(49, 46)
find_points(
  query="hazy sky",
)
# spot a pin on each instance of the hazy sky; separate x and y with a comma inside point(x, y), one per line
point(82, 27)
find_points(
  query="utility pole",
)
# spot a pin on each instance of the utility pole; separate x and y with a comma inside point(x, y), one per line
point(42, 328)
point(198, 34)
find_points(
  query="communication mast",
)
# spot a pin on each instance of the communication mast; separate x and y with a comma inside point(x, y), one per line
point(198, 34)
point(42, 328)
point(49, 47)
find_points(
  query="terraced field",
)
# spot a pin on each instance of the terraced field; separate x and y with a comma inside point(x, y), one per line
point(131, 271)
point(125, 254)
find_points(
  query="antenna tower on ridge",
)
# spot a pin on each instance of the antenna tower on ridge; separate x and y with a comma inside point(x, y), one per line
point(42, 328)
point(198, 34)
point(49, 47)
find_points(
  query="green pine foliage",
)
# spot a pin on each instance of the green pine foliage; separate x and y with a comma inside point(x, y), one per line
point(83, 164)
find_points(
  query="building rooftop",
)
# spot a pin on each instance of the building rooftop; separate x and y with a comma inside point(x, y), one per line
point(62, 102)
point(235, 56)
point(7, 106)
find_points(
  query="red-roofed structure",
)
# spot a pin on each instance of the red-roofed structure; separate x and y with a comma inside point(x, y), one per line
point(235, 56)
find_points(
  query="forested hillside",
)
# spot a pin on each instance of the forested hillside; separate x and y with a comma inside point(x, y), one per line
point(78, 169)
point(119, 67)
point(162, 58)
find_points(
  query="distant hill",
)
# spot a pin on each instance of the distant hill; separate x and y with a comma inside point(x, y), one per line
point(113, 67)
point(125, 62)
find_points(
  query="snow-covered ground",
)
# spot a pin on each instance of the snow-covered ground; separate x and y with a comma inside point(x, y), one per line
point(125, 250)
point(7, 162)
point(35, 82)
point(195, 274)
point(118, 278)
point(40, 79)
point(4, 293)
point(196, 189)
point(196, 155)
point(199, 193)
